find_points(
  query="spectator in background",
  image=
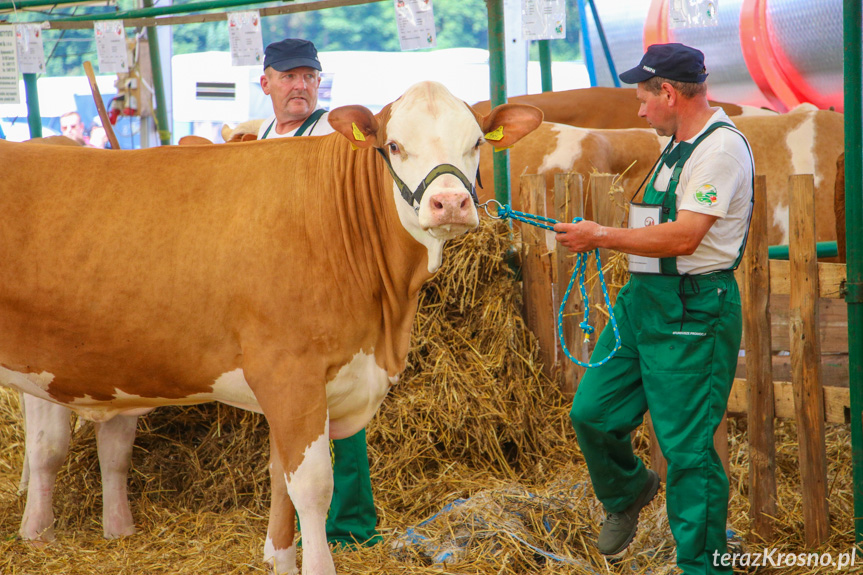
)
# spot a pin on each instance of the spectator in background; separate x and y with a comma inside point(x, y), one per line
point(98, 135)
point(72, 127)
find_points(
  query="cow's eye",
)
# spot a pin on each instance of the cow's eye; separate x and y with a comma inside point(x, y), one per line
point(394, 148)
point(479, 143)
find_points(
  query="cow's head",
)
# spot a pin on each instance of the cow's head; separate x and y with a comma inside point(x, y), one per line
point(430, 141)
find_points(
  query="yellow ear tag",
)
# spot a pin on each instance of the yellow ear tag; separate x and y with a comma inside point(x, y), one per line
point(502, 149)
point(358, 136)
point(354, 147)
point(496, 135)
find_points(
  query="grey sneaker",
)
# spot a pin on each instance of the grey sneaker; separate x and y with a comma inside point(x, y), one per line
point(619, 529)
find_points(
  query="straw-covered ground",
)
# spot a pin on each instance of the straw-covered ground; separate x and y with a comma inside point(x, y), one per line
point(473, 461)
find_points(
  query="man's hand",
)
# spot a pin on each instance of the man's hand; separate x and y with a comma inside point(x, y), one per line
point(581, 237)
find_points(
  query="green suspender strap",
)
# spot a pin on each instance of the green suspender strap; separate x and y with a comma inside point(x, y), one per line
point(310, 121)
point(677, 158)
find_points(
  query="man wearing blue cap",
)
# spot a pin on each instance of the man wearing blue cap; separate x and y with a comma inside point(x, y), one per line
point(291, 78)
point(679, 317)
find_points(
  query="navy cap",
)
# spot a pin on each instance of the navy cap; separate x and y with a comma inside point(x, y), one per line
point(672, 61)
point(291, 53)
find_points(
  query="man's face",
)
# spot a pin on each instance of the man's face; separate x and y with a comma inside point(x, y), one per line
point(656, 110)
point(71, 127)
point(294, 92)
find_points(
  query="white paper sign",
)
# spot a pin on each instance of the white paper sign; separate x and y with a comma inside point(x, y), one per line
point(244, 34)
point(111, 46)
point(543, 19)
point(9, 93)
point(31, 55)
point(415, 20)
point(692, 13)
point(643, 216)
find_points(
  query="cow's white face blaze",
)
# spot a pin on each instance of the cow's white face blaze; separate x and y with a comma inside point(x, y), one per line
point(429, 127)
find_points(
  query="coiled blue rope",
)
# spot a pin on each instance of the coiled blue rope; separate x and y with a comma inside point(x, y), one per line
point(504, 211)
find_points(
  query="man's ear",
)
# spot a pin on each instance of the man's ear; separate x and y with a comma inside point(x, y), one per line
point(508, 123)
point(357, 124)
point(265, 84)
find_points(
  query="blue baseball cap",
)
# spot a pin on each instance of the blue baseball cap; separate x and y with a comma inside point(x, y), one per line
point(672, 61)
point(291, 53)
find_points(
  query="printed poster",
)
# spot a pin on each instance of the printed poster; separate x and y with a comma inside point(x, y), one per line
point(9, 93)
point(244, 34)
point(31, 54)
point(111, 46)
point(692, 13)
point(415, 21)
point(543, 19)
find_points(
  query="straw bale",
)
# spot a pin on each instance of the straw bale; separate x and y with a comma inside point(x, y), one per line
point(473, 418)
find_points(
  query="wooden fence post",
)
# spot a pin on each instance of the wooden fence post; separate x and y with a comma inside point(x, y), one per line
point(608, 210)
point(806, 359)
point(569, 203)
point(759, 370)
point(537, 264)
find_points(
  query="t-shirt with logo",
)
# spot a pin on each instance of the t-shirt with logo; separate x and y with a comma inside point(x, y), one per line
point(320, 128)
point(717, 181)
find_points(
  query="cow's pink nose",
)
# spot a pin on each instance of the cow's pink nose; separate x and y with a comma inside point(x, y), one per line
point(450, 207)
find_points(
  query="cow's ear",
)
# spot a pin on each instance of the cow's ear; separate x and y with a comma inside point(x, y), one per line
point(193, 141)
point(508, 123)
point(356, 123)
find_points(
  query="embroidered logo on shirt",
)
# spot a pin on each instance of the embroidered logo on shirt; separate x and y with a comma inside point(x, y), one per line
point(706, 195)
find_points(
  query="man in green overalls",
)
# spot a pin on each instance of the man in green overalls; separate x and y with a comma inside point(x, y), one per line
point(291, 79)
point(679, 317)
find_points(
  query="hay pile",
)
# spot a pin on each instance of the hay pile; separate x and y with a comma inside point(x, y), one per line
point(473, 420)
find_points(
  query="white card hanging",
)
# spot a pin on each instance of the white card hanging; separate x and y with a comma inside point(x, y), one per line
point(415, 21)
point(543, 19)
point(31, 54)
point(9, 92)
point(692, 13)
point(244, 35)
point(111, 46)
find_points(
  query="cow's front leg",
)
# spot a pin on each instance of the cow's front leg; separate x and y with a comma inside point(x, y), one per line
point(280, 551)
point(114, 439)
point(47, 434)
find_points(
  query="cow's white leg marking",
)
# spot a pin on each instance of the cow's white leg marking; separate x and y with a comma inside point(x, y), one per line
point(355, 394)
point(281, 561)
point(47, 436)
point(25, 468)
point(311, 490)
point(115, 438)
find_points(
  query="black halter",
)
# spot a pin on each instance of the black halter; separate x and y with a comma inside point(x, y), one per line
point(414, 198)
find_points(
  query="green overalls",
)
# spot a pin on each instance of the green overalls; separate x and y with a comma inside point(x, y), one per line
point(352, 517)
point(680, 340)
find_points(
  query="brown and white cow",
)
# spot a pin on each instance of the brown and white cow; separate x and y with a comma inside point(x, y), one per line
point(600, 107)
point(805, 141)
point(278, 276)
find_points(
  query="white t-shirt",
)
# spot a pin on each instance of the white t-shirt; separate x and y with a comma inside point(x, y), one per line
point(320, 128)
point(716, 180)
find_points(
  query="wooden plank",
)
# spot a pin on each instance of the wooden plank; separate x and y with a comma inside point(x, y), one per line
point(834, 369)
point(832, 324)
point(837, 401)
point(608, 210)
point(538, 260)
point(760, 399)
point(806, 359)
point(568, 204)
point(830, 278)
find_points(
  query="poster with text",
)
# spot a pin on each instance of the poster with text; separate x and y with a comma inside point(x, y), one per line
point(415, 21)
point(543, 19)
point(9, 93)
point(244, 34)
point(31, 54)
point(111, 46)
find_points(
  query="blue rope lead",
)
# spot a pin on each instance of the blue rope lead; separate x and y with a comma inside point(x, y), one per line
point(504, 211)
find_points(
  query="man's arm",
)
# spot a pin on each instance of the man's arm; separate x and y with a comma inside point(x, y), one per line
point(678, 238)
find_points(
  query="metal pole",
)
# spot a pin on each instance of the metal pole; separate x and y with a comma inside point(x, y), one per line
point(585, 43)
point(545, 64)
point(497, 79)
point(158, 84)
point(173, 9)
point(854, 227)
point(604, 43)
point(34, 117)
